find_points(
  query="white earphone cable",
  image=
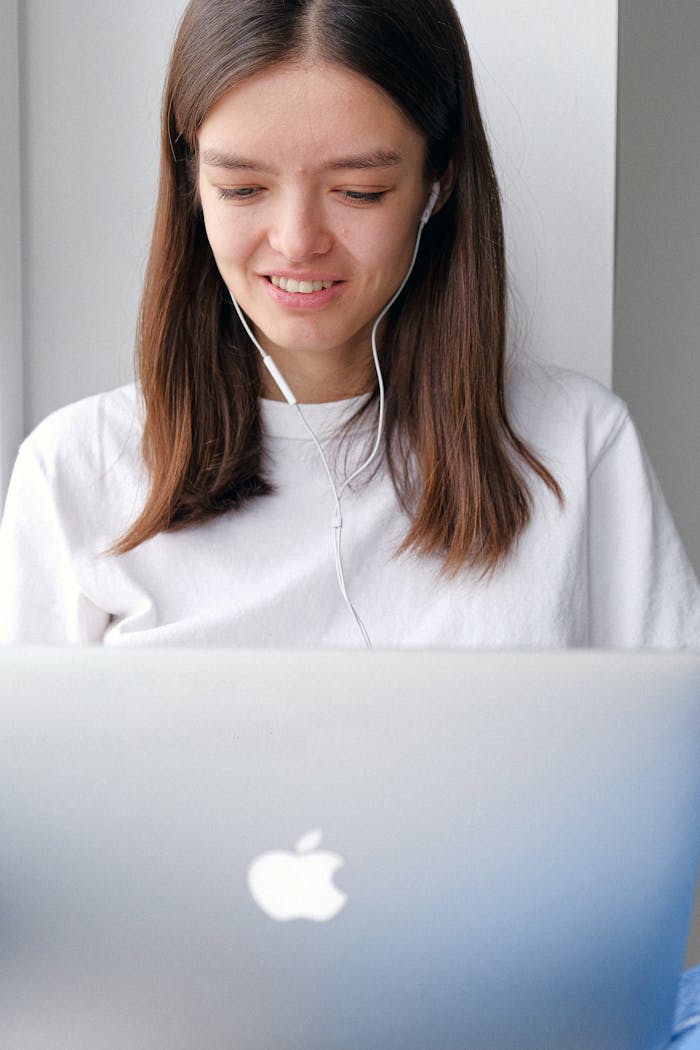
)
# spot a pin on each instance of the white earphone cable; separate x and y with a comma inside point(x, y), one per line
point(288, 394)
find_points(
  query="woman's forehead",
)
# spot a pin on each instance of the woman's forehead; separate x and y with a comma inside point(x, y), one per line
point(313, 115)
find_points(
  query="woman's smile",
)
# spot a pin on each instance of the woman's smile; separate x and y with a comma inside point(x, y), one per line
point(298, 293)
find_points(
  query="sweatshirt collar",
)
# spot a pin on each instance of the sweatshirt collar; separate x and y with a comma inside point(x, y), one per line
point(281, 420)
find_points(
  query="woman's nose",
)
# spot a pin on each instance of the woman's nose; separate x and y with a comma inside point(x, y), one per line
point(299, 230)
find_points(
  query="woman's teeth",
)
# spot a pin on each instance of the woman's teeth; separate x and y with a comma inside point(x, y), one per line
point(289, 284)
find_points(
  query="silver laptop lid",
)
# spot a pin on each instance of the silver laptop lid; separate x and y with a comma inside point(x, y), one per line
point(345, 851)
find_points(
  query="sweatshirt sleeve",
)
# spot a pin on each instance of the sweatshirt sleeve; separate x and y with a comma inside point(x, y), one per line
point(41, 599)
point(643, 590)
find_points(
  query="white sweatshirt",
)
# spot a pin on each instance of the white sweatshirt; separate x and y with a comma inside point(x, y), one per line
point(606, 569)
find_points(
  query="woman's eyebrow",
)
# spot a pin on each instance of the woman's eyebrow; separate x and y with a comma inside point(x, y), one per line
point(215, 158)
point(380, 158)
point(374, 159)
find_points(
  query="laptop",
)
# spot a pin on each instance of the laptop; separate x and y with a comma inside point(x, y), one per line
point(316, 850)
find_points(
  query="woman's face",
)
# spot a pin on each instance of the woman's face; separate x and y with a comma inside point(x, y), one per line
point(312, 185)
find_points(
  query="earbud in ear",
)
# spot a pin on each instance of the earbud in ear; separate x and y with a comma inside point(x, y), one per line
point(432, 201)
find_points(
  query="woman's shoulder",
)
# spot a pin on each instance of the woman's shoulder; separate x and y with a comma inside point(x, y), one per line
point(79, 475)
point(90, 434)
point(106, 415)
point(560, 411)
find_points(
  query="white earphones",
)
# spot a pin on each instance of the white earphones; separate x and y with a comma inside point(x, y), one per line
point(430, 205)
point(288, 395)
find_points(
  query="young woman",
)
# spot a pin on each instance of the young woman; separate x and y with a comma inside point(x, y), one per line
point(424, 494)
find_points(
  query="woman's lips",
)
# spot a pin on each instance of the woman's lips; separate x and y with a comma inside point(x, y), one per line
point(304, 293)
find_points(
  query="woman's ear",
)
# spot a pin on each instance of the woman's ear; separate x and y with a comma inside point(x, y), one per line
point(447, 183)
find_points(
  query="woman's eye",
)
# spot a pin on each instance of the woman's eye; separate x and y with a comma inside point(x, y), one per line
point(237, 193)
point(364, 196)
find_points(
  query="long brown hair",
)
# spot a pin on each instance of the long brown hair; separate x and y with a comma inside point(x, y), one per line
point(456, 463)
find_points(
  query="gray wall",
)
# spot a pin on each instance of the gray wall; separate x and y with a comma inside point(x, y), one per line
point(657, 300)
point(11, 361)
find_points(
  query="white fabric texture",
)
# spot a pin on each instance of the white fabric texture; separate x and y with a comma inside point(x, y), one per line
point(606, 569)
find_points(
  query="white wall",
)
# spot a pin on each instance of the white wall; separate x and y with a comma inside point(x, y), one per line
point(547, 74)
point(91, 80)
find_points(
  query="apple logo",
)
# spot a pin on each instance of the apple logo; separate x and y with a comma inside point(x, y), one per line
point(297, 885)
